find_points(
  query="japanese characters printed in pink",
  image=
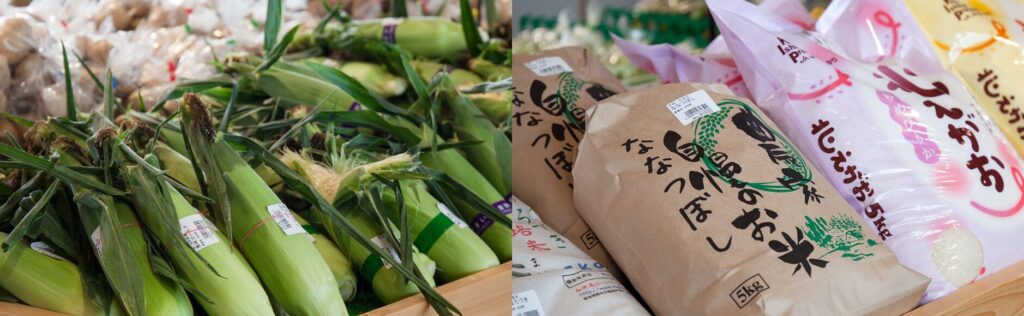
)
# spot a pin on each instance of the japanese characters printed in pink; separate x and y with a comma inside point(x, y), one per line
point(899, 137)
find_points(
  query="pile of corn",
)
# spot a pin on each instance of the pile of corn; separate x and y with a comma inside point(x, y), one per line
point(344, 168)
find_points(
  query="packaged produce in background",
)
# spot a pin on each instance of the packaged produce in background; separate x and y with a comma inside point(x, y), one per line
point(710, 210)
point(906, 146)
point(552, 89)
point(552, 275)
point(715, 65)
point(972, 39)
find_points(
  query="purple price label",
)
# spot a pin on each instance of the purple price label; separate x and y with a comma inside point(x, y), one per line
point(480, 223)
point(503, 206)
point(388, 35)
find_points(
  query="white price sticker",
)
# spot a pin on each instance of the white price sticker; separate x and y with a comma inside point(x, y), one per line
point(448, 213)
point(548, 66)
point(43, 248)
point(386, 246)
point(97, 241)
point(284, 218)
point(692, 106)
point(198, 231)
point(526, 303)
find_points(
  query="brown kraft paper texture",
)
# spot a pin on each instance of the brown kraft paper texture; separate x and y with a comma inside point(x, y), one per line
point(544, 140)
point(722, 215)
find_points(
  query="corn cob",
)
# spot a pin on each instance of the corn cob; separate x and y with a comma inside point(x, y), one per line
point(43, 281)
point(452, 163)
point(496, 105)
point(489, 70)
point(140, 289)
point(230, 271)
point(287, 262)
point(375, 78)
point(429, 37)
point(471, 124)
point(387, 283)
point(462, 78)
point(335, 259)
point(440, 234)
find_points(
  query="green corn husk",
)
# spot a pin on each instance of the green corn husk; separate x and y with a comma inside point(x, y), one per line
point(375, 78)
point(289, 265)
point(335, 259)
point(230, 271)
point(303, 89)
point(452, 163)
point(489, 70)
point(177, 166)
point(180, 168)
point(462, 78)
point(43, 281)
point(387, 283)
point(429, 37)
point(471, 124)
point(457, 251)
point(496, 105)
point(125, 257)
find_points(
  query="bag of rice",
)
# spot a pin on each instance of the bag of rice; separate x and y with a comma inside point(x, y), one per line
point(551, 91)
point(972, 39)
point(905, 146)
point(551, 276)
point(710, 210)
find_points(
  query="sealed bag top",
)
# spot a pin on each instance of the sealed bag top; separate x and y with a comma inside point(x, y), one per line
point(709, 209)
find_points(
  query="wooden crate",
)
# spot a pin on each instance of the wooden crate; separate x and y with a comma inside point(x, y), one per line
point(12, 309)
point(488, 292)
point(1001, 293)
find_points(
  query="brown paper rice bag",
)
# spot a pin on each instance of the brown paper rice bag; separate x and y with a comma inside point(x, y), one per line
point(709, 210)
point(544, 141)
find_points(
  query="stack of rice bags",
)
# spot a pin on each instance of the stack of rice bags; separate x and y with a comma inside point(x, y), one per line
point(901, 138)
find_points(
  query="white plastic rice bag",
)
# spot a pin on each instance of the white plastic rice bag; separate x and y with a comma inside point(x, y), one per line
point(905, 145)
point(551, 276)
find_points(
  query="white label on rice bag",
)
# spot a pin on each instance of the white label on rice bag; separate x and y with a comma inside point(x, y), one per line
point(198, 231)
point(692, 106)
point(526, 303)
point(283, 217)
point(386, 246)
point(43, 248)
point(458, 221)
point(548, 66)
point(97, 241)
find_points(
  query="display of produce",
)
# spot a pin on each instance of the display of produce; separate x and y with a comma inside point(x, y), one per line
point(231, 158)
point(434, 157)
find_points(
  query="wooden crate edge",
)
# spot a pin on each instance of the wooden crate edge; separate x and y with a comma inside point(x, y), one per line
point(488, 292)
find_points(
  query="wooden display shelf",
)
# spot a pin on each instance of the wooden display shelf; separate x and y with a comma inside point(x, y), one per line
point(488, 292)
point(1001, 293)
